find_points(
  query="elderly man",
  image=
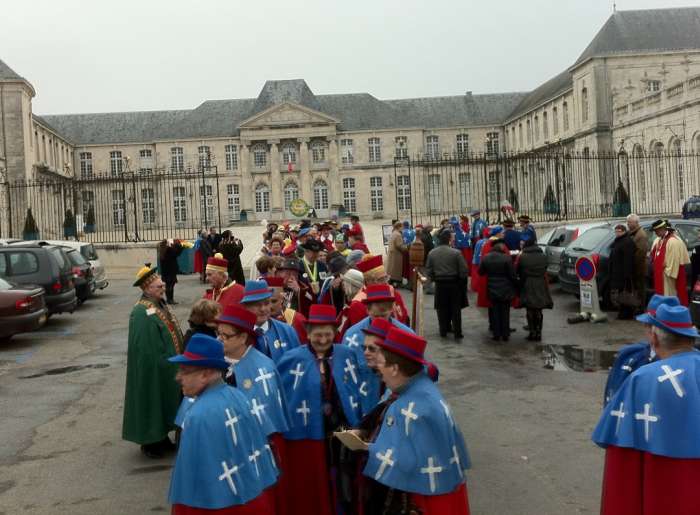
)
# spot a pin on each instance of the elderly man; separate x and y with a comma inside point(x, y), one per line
point(373, 272)
point(446, 268)
point(152, 395)
point(224, 463)
point(650, 427)
point(639, 276)
point(669, 256)
point(223, 290)
point(313, 273)
point(280, 311)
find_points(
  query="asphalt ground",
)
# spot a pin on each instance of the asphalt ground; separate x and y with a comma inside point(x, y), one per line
point(527, 416)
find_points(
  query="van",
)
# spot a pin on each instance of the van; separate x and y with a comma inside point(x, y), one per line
point(88, 251)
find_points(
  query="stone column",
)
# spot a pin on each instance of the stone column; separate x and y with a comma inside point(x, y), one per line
point(305, 171)
point(276, 200)
point(247, 194)
point(334, 185)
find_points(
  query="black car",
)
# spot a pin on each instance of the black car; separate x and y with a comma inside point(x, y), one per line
point(45, 265)
point(596, 242)
point(82, 274)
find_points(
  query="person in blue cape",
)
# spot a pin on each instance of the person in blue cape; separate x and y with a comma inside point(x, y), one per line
point(407, 233)
point(274, 338)
point(416, 455)
point(224, 463)
point(635, 355)
point(526, 226)
point(380, 304)
point(478, 226)
point(511, 237)
point(650, 427)
point(321, 383)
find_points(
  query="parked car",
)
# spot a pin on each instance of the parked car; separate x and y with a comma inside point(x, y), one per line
point(22, 308)
point(555, 241)
point(45, 265)
point(88, 251)
point(596, 243)
point(82, 275)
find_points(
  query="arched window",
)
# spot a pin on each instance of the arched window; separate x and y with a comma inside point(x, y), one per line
point(320, 194)
point(262, 198)
point(291, 192)
point(545, 126)
point(565, 115)
point(259, 155)
point(584, 104)
point(677, 152)
point(657, 157)
point(537, 128)
point(529, 132)
point(638, 166)
point(289, 153)
point(318, 152)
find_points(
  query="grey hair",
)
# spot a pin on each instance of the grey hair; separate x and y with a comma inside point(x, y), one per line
point(669, 340)
point(633, 218)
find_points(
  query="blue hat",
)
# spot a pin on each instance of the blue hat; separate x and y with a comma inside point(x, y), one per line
point(495, 230)
point(654, 303)
point(474, 212)
point(676, 320)
point(303, 232)
point(255, 291)
point(454, 220)
point(202, 351)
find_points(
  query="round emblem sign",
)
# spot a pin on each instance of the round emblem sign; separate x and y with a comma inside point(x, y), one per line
point(585, 268)
point(298, 207)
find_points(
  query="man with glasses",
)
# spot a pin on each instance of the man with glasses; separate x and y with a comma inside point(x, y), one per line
point(152, 395)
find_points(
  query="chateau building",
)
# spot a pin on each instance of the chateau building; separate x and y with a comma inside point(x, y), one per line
point(634, 89)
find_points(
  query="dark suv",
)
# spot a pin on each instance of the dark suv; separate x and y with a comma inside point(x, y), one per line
point(596, 243)
point(45, 265)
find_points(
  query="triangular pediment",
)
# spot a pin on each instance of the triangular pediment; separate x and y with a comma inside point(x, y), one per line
point(285, 114)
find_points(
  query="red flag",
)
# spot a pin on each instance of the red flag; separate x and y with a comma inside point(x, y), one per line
point(290, 166)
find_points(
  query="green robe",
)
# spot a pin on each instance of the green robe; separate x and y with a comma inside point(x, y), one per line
point(152, 394)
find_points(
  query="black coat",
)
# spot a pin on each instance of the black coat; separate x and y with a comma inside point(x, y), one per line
point(168, 262)
point(428, 244)
point(501, 282)
point(621, 262)
point(197, 329)
point(206, 250)
point(231, 250)
point(532, 270)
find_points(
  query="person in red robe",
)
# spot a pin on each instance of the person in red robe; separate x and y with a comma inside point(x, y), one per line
point(354, 310)
point(223, 290)
point(476, 259)
point(669, 255)
point(650, 427)
point(373, 271)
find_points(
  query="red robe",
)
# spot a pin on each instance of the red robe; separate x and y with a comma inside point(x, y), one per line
point(307, 492)
point(358, 245)
point(348, 317)
point(198, 262)
point(400, 311)
point(297, 321)
point(454, 503)
point(230, 294)
point(262, 505)
point(639, 483)
point(658, 258)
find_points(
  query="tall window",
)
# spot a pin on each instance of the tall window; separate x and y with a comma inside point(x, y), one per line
point(116, 164)
point(401, 144)
point(565, 115)
point(260, 155)
point(88, 198)
point(376, 194)
point(462, 145)
point(262, 198)
point(320, 194)
point(349, 201)
point(346, 152)
point(434, 193)
point(204, 154)
point(638, 160)
point(520, 135)
point(545, 125)
point(492, 143)
point(289, 153)
point(206, 204)
point(465, 187)
point(529, 132)
point(118, 208)
point(493, 187)
point(658, 156)
point(404, 191)
point(584, 104)
point(231, 152)
point(432, 147)
point(537, 128)
point(145, 161)
point(678, 162)
point(291, 192)
point(513, 142)
point(555, 120)
point(375, 150)
point(86, 165)
point(180, 204)
point(318, 152)
point(233, 202)
point(148, 205)
point(177, 160)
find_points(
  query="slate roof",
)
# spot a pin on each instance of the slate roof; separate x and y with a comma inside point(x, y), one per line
point(277, 91)
point(550, 89)
point(7, 73)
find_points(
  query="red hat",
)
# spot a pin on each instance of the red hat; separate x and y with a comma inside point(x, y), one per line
point(379, 293)
point(274, 282)
point(217, 263)
point(406, 344)
point(378, 327)
point(371, 264)
point(238, 317)
point(322, 314)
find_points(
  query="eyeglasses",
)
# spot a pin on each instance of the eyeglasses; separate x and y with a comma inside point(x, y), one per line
point(225, 336)
point(370, 348)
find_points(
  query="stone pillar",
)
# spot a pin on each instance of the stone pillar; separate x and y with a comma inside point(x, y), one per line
point(334, 185)
point(247, 193)
point(305, 171)
point(276, 200)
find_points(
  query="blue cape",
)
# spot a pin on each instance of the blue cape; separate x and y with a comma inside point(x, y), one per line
point(461, 237)
point(476, 258)
point(370, 382)
point(302, 385)
point(278, 339)
point(408, 236)
point(657, 409)
point(419, 436)
point(629, 359)
point(220, 465)
point(257, 378)
point(511, 237)
point(477, 228)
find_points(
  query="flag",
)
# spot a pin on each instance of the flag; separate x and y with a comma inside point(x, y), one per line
point(290, 167)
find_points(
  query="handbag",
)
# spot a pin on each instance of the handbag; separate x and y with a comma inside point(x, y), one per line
point(624, 298)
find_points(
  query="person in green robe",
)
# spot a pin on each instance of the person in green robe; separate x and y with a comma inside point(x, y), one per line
point(152, 394)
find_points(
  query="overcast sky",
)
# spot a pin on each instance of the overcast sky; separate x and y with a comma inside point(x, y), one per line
point(98, 56)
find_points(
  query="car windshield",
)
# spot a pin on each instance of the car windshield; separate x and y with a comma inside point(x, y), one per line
point(590, 239)
point(60, 260)
point(4, 285)
point(544, 239)
point(89, 252)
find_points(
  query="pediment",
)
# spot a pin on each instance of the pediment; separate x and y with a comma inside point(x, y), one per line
point(286, 114)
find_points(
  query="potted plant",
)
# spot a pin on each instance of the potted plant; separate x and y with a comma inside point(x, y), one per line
point(621, 201)
point(31, 231)
point(69, 228)
point(90, 220)
point(551, 205)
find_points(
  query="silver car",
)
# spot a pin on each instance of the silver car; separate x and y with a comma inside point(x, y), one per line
point(555, 241)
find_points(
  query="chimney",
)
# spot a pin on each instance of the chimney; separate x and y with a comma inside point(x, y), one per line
point(469, 94)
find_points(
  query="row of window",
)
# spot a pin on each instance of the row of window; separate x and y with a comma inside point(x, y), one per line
point(545, 126)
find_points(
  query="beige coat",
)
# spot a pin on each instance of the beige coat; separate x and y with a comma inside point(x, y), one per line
point(639, 237)
point(394, 257)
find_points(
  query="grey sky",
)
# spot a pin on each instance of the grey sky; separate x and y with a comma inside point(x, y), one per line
point(97, 56)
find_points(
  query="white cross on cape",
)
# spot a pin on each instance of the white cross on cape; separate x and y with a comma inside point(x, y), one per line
point(620, 414)
point(432, 470)
point(297, 373)
point(352, 341)
point(263, 378)
point(455, 459)
point(272, 455)
point(228, 476)
point(257, 409)
point(385, 461)
point(448, 413)
point(646, 417)
point(353, 404)
point(363, 389)
point(231, 422)
point(304, 410)
point(408, 415)
point(670, 376)
point(254, 459)
point(350, 368)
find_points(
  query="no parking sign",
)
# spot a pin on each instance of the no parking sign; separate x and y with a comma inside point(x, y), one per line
point(588, 288)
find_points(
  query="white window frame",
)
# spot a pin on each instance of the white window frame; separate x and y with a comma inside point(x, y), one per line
point(289, 154)
point(434, 192)
point(148, 206)
point(87, 198)
point(432, 146)
point(206, 202)
point(462, 145)
point(233, 193)
point(262, 198)
point(465, 190)
point(403, 192)
point(118, 208)
point(347, 155)
point(318, 152)
point(492, 146)
point(204, 157)
point(653, 86)
point(401, 147)
point(231, 157)
point(116, 162)
point(320, 188)
point(86, 165)
point(180, 204)
point(259, 152)
point(349, 195)
point(374, 146)
point(177, 160)
point(376, 194)
point(291, 193)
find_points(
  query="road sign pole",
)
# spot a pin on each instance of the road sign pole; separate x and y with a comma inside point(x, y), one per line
point(588, 289)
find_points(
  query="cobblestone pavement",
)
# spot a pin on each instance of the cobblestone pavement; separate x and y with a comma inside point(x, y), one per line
point(527, 420)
